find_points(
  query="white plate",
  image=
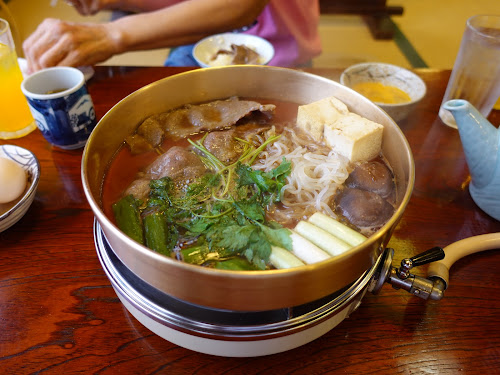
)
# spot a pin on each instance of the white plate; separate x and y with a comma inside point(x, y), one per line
point(206, 48)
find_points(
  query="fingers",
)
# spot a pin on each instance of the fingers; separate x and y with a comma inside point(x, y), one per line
point(38, 43)
point(57, 42)
point(56, 54)
point(49, 45)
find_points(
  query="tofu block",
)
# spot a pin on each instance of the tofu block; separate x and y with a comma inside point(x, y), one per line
point(329, 121)
point(313, 117)
point(354, 137)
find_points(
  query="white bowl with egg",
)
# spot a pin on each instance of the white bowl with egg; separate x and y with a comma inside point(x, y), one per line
point(394, 89)
point(19, 177)
point(207, 52)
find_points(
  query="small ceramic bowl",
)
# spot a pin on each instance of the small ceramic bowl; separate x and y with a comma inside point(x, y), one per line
point(28, 161)
point(388, 75)
point(205, 50)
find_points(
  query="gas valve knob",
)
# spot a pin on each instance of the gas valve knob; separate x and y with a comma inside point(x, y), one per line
point(429, 256)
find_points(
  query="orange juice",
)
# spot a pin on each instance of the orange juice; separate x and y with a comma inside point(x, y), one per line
point(15, 119)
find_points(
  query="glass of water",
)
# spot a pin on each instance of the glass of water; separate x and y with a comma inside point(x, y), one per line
point(476, 72)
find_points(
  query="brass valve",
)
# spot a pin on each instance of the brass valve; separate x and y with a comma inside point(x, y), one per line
point(401, 278)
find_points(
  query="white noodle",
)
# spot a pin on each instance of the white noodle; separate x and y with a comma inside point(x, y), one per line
point(317, 173)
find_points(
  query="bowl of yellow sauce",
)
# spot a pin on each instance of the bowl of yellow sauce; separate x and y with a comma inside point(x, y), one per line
point(394, 89)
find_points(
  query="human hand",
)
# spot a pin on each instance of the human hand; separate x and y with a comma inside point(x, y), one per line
point(57, 42)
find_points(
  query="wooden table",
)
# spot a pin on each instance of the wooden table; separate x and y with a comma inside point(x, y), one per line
point(60, 315)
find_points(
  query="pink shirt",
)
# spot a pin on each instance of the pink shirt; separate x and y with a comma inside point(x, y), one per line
point(291, 26)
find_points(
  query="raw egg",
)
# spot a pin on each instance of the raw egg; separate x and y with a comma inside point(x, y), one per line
point(380, 93)
point(12, 180)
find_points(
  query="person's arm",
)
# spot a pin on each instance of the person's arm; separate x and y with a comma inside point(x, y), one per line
point(183, 23)
point(90, 7)
point(64, 43)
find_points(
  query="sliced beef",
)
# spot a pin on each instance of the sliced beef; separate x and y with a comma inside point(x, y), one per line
point(223, 145)
point(363, 208)
point(151, 131)
point(372, 176)
point(139, 189)
point(219, 114)
point(138, 144)
point(249, 131)
point(178, 163)
point(193, 119)
point(176, 123)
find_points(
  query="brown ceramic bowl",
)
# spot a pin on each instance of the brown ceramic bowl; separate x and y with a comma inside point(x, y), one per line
point(233, 290)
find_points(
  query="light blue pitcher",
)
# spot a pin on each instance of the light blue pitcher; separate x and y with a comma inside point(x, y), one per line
point(480, 140)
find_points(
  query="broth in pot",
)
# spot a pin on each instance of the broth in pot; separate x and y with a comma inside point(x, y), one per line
point(247, 184)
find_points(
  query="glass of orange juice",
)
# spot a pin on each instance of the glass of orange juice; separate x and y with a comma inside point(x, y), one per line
point(15, 116)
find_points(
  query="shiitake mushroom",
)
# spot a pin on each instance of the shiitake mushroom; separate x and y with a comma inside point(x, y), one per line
point(363, 200)
point(372, 176)
point(363, 208)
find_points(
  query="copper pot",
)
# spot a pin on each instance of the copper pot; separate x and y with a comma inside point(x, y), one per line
point(231, 290)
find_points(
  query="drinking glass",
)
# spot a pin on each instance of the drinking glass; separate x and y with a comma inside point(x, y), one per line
point(497, 104)
point(476, 72)
point(15, 116)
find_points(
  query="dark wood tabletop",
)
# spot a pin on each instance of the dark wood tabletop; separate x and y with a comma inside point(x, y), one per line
point(60, 315)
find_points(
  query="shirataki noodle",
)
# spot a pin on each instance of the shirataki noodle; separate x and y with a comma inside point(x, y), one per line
point(317, 173)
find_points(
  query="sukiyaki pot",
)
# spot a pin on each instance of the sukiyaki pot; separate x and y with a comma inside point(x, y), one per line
point(228, 197)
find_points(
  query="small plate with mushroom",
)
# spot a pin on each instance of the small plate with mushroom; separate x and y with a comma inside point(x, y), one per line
point(232, 49)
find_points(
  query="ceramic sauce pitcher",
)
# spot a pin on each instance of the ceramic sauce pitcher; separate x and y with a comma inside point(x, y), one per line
point(480, 140)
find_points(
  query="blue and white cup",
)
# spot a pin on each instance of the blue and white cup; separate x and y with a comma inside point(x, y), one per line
point(61, 106)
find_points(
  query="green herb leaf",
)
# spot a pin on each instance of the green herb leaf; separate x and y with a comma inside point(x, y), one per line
point(269, 184)
point(236, 237)
point(250, 209)
point(278, 237)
